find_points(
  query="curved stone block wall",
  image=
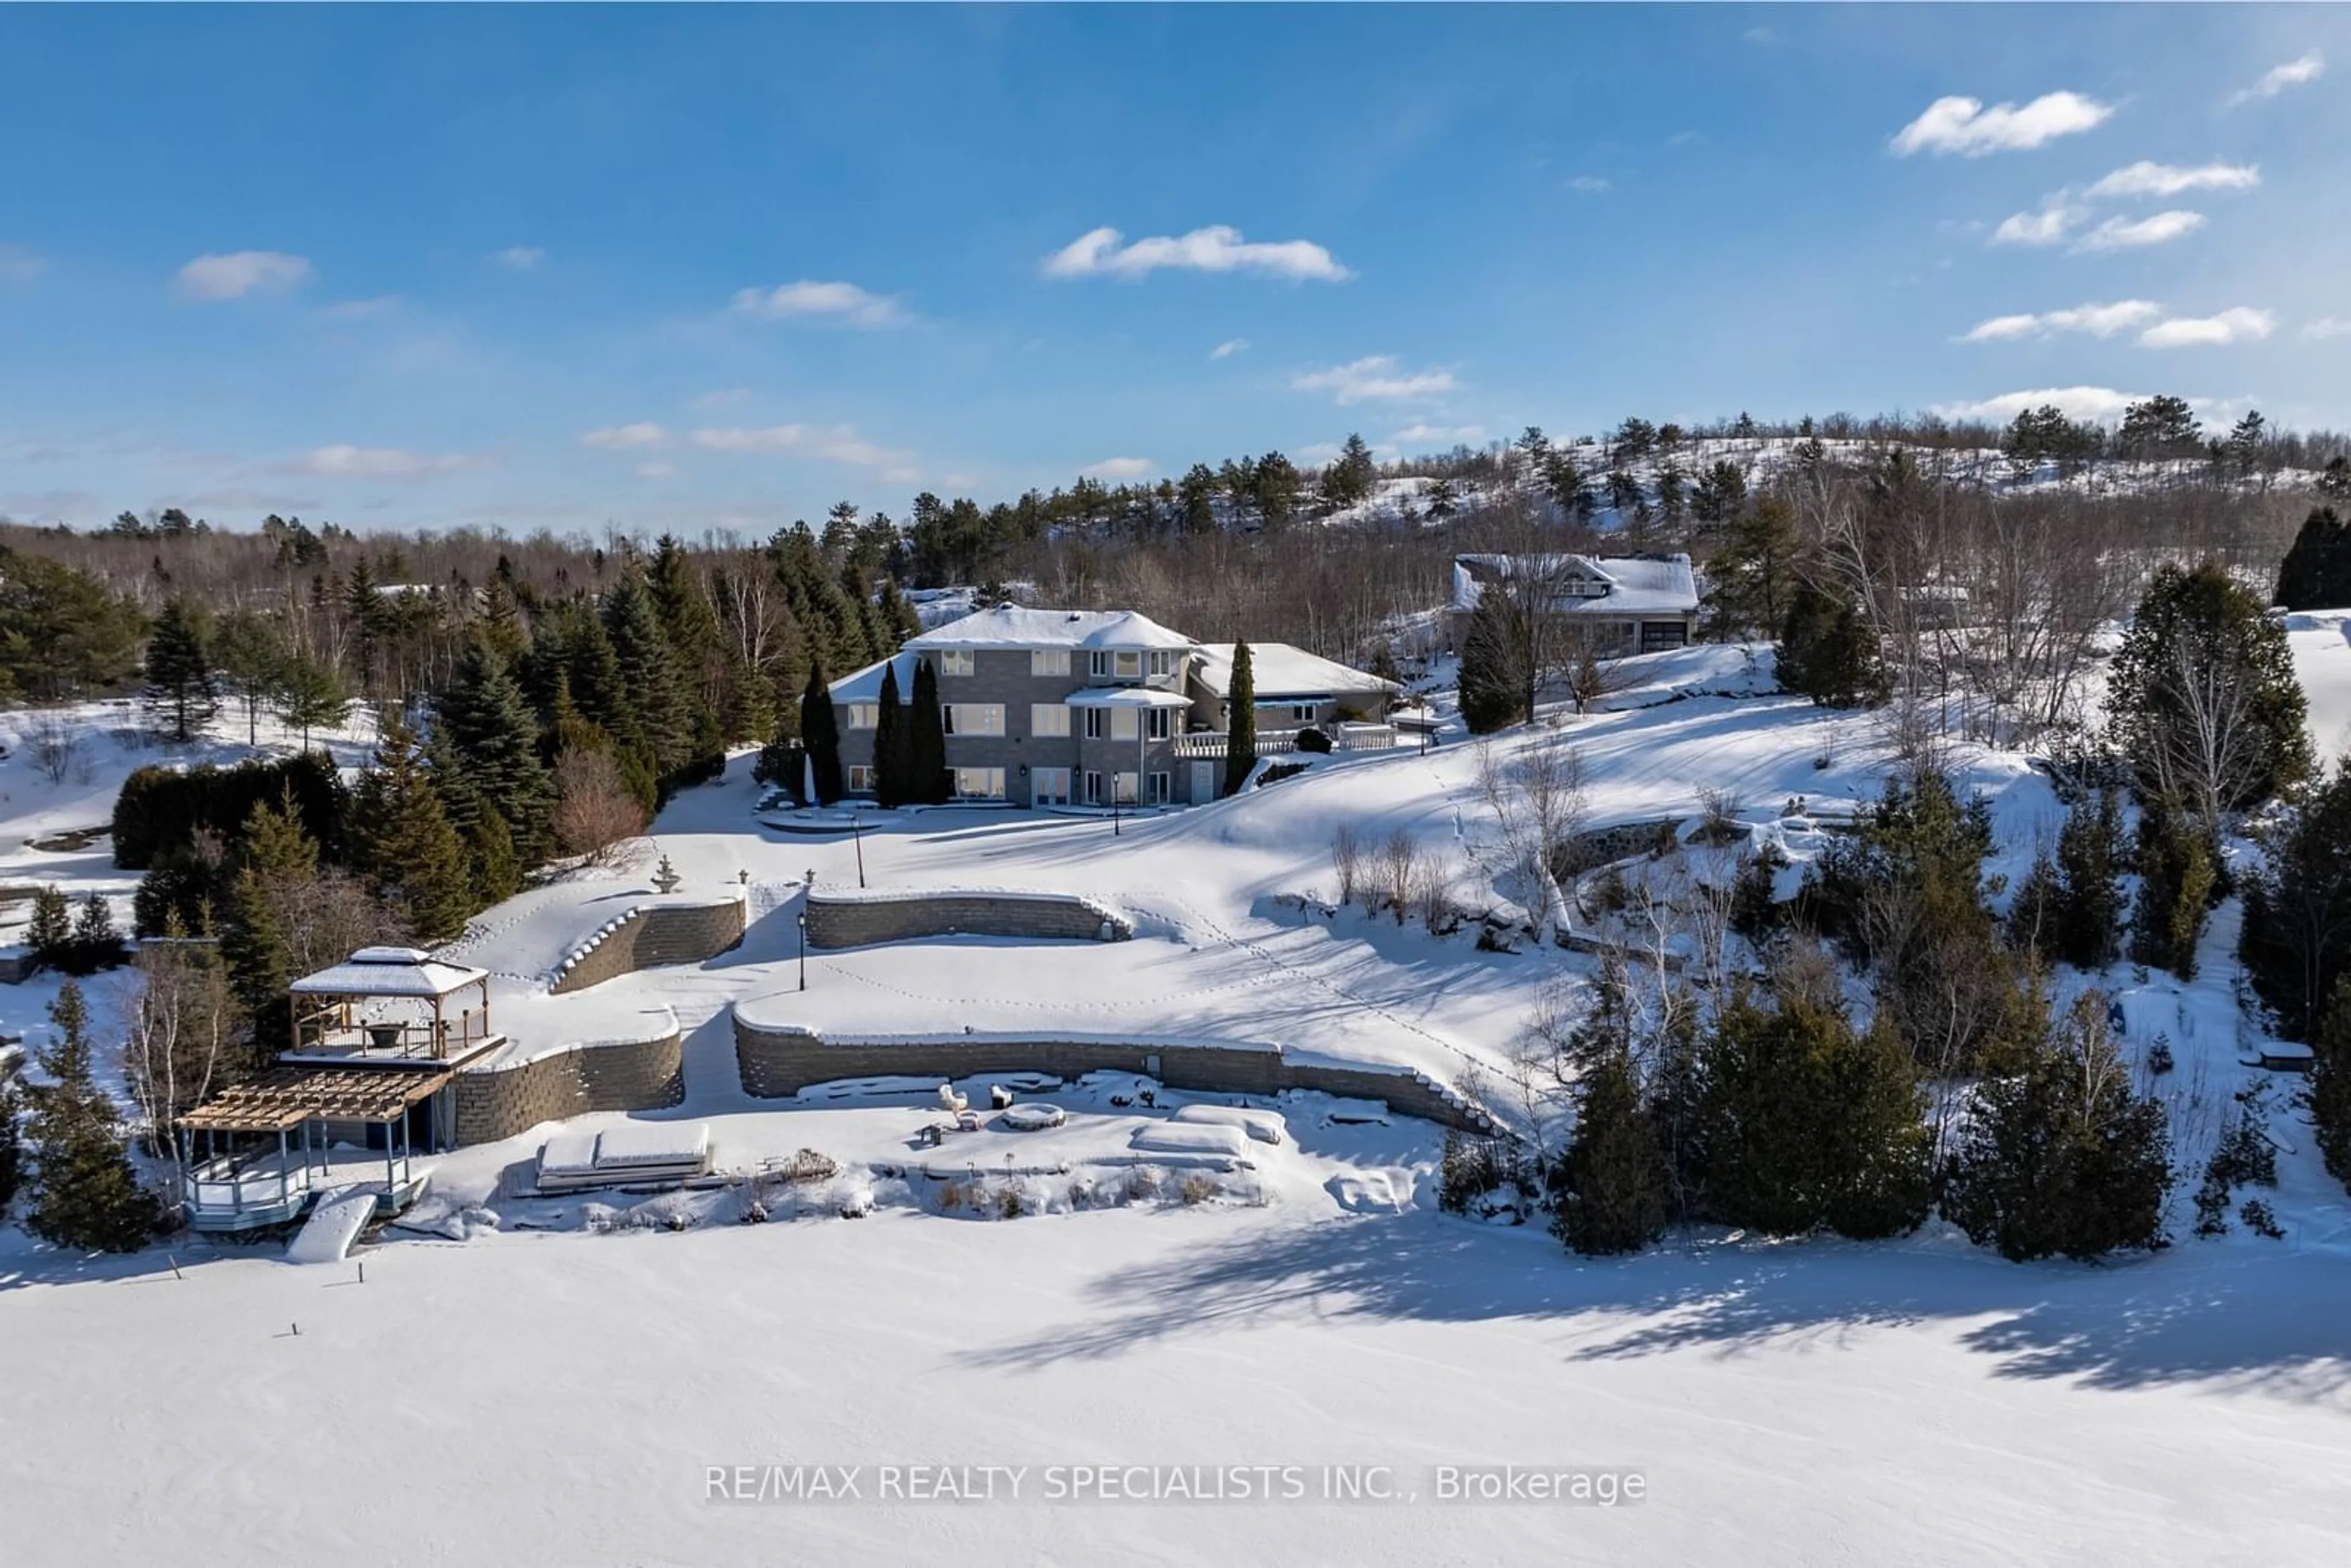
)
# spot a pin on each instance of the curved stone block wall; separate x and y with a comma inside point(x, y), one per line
point(495, 1102)
point(776, 1063)
point(649, 935)
point(860, 919)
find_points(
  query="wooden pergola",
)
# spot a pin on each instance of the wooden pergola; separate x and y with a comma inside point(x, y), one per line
point(343, 1009)
point(229, 1190)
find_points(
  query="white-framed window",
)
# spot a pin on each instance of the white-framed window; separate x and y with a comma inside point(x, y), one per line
point(956, 661)
point(860, 779)
point(1093, 788)
point(865, 715)
point(1049, 720)
point(1050, 787)
point(1122, 723)
point(1158, 723)
point(1097, 722)
point(973, 718)
point(979, 783)
point(1296, 713)
point(1049, 661)
point(1163, 662)
point(1160, 793)
point(1126, 783)
point(1118, 664)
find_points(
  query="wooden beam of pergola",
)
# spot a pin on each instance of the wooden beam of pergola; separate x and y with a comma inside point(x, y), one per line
point(286, 1097)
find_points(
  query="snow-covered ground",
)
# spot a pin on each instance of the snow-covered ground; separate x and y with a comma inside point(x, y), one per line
point(557, 1385)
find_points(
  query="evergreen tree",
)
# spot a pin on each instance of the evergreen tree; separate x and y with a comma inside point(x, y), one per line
point(1496, 678)
point(2330, 1084)
point(820, 734)
point(2317, 573)
point(1752, 577)
point(96, 944)
point(490, 858)
point(1828, 653)
point(926, 740)
point(893, 757)
point(252, 653)
point(1240, 721)
point(12, 1146)
point(2063, 1157)
point(181, 692)
point(310, 695)
point(274, 853)
point(2071, 908)
point(1804, 1124)
point(1609, 1188)
point(2180, 877)
point(2203, 698)
point(2295, 941)
point(49, 937)
point(648, 674)
point(690, 627)
point(84, 1193)
point(411, 858)
point(493, 741)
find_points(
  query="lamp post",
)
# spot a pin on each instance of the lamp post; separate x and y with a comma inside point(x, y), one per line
point(804, 949)
point(857, 835)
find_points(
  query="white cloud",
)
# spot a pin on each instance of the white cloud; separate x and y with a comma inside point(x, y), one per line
point(518, 257)
point(379, 462)
point(1217, 249)
point(2204, 332)
point(841, 301)
point(1590, 184)
point(240, 273)
point(2148, 179)
point(621, 437)
point(2326, 327)
point(1374, 376)
point(2050, 226)
point(18, 265)
point(1119, 468)
point(833, 442)
point(2275, 80)
point(1437, 435)
point(2128, 234)
point(1229, 348)
point(1964, 126)
point(2097, 321)
point(2104, 405)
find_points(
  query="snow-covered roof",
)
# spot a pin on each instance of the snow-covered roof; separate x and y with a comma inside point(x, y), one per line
point(388, 972)
point(1015, 626)
point(1277, 670)
point(1126, 696)
point(865, 685)
point(1656, 585)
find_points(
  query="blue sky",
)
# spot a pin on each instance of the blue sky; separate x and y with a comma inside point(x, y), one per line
point(719, 267)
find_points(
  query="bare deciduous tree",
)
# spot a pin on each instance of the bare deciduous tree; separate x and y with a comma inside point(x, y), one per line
point(593, 808)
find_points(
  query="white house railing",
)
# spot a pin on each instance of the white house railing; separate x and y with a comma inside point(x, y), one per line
point(1275, 742)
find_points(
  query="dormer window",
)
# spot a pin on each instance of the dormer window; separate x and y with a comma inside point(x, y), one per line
point(955, 661)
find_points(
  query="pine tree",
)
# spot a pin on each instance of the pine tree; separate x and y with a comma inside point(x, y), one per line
point(2063, 1157)
point(898, 617)
point(1752, 577)
point(2179, 869)
point(12, 1146)
point(84, 1193)
point(648, 674)
point(2317, 573)
point(310, 695)
point(491, 860)
point(181, 692)
point(411, 856)
point(926, 740)
point(690, 628)
point(494, 742)
point(274, 854)
point(1240, 722)
point(1610, 1187)
point(2295, 940)
point(820, 734)
point(2330, 1084)
point(1827, 651)
point(1497, 674)
point(2089, 886)
point(96, 945)
point(893, 759)
point(252, 653)
point(49, 937)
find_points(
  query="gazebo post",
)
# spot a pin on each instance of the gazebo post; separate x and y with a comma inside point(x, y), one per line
point(284, 1191)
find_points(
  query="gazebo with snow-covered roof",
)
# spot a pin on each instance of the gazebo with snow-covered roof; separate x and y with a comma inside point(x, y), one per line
point(393, 1005)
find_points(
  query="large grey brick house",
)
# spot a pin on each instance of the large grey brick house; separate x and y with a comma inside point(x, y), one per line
point(1092, 707)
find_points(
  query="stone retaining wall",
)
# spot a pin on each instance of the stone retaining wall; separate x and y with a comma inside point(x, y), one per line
point(777, 1062)
point(648, 935)
point(860, 920)
point(1621, 840)
point(495, 1102)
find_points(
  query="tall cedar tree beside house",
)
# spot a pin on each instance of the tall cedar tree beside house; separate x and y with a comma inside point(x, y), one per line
point(820, 734)
point(1240, 721)
point(492, 742)
point(84, 1193)
point(181, 692)
point(1497, 677)
point(893, 755)
point(926, 739)
point(411, 856)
